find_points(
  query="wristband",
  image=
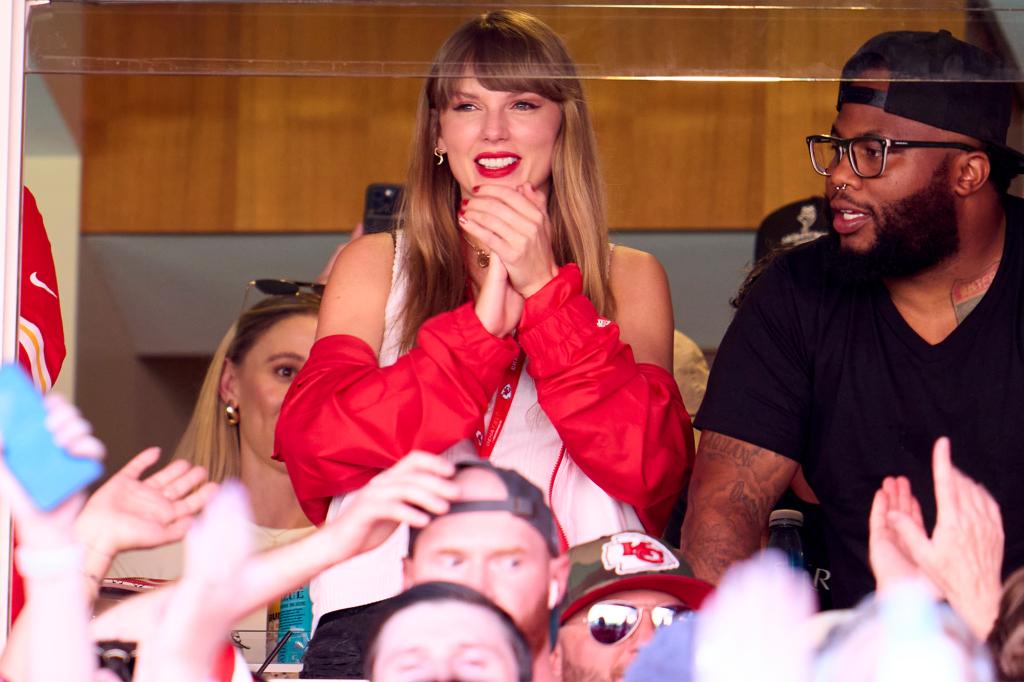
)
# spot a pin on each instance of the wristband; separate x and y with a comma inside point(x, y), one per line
point(49, 563)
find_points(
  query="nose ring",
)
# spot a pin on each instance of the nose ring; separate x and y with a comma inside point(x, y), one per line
point(840, 188)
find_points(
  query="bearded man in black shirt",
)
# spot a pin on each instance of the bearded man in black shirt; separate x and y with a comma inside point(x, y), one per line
point(850, 355)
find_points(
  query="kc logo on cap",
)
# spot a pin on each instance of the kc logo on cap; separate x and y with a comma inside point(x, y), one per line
point(628, 553)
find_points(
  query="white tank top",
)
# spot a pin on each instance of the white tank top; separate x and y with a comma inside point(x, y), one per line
point(528, 443)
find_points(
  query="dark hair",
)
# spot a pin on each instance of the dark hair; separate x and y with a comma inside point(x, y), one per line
point(1007, 637)
point(758, 269)
point(437, 592)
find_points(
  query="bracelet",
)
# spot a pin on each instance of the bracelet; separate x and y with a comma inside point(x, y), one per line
point(48, 563)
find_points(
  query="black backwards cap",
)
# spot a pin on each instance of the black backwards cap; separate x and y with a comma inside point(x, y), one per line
point(940, 81)
point(524, 500)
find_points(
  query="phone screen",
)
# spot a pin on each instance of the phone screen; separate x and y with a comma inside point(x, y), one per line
point(48, 474)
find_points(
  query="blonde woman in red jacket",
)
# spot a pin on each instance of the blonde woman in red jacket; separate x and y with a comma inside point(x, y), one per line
point(497, 321)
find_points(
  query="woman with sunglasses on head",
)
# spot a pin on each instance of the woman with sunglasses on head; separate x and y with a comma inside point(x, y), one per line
point(231, 432)
point(497, 322)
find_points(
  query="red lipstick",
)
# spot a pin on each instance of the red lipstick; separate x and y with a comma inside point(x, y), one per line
point(496, 164)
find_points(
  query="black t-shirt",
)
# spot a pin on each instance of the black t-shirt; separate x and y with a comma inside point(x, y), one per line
point(832, 376)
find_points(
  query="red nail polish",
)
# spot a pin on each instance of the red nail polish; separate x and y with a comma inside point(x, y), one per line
point(465, 201)
point(476, 189)
point(462, 211)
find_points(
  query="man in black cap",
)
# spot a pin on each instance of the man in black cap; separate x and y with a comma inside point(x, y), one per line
point(500, 538)
point(852, 354)
point(493, 532)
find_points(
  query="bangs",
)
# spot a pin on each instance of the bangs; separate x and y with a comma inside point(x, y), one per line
point(504, 60)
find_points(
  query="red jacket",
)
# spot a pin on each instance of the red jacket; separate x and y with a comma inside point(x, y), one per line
point(345, 419)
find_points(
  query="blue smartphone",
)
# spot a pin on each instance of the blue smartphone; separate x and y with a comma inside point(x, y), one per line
point(47, 473)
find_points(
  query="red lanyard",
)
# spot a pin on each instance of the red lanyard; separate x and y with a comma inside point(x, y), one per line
point(502, 404)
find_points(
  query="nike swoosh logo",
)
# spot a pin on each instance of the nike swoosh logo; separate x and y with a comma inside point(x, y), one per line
point(34, 279)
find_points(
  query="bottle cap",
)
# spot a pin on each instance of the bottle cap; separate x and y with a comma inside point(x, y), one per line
point(791, 515)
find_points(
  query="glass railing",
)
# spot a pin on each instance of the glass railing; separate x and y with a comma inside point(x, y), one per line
point(702, 41)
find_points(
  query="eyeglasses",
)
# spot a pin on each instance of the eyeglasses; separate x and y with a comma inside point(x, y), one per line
point(868, 153)
point(281, 287)
point(612, 622)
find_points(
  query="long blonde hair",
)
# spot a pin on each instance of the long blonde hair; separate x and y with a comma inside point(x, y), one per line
point(209, 440)
point(511, 51)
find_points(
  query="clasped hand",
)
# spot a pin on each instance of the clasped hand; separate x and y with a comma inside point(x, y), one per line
point(513, 225)
point(964, 555)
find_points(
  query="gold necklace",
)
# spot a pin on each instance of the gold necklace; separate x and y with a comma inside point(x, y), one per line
point(483, 258)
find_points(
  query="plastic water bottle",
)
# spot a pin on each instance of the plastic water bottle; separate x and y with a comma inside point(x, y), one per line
point(784, 534)
point(293, 614)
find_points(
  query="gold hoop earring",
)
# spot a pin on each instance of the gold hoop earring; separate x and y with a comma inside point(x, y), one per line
point(439, 155)
point(232, 415)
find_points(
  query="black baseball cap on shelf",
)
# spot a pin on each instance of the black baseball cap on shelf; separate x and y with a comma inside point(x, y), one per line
point(522, 499)
point(941, 81)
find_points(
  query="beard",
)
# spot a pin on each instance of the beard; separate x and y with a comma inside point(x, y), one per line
point(535, 625)
point(911, 235)
point(573, 673)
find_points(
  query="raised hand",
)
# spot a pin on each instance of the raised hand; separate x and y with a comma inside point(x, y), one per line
point(194, 624)
point(129, 512)
point(50, 561)
point(964, 556)
point(513, 224)
point(409, 492)
point(498, 306)
point(55, 528)
point(889, 561)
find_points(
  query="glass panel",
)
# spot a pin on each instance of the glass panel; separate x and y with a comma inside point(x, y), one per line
point(207, 144)
point(794, 41)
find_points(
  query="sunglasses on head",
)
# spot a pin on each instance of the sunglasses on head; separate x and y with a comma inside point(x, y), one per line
point(612, 622)
point(285, 287)
point(280, 287)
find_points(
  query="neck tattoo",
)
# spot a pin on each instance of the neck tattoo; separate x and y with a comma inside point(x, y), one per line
point(966, 294)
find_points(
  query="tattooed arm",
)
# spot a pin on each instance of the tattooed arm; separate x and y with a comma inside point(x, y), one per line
point(732, 491)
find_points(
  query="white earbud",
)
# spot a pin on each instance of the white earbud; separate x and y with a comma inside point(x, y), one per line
point(553, 595)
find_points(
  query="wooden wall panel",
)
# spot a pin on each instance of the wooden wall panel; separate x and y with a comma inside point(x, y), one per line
point(215, 153)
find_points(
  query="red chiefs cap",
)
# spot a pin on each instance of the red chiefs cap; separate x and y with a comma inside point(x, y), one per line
point(630, 560)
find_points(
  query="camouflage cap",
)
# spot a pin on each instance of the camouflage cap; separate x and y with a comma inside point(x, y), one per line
point(630, 560)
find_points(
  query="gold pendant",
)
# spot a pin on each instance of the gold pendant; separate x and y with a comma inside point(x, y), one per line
point(483, 259)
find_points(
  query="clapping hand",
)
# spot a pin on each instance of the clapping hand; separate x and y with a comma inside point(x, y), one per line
point(963, 558)
point(513, 224)
point(498, 306)
point(889, 561)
